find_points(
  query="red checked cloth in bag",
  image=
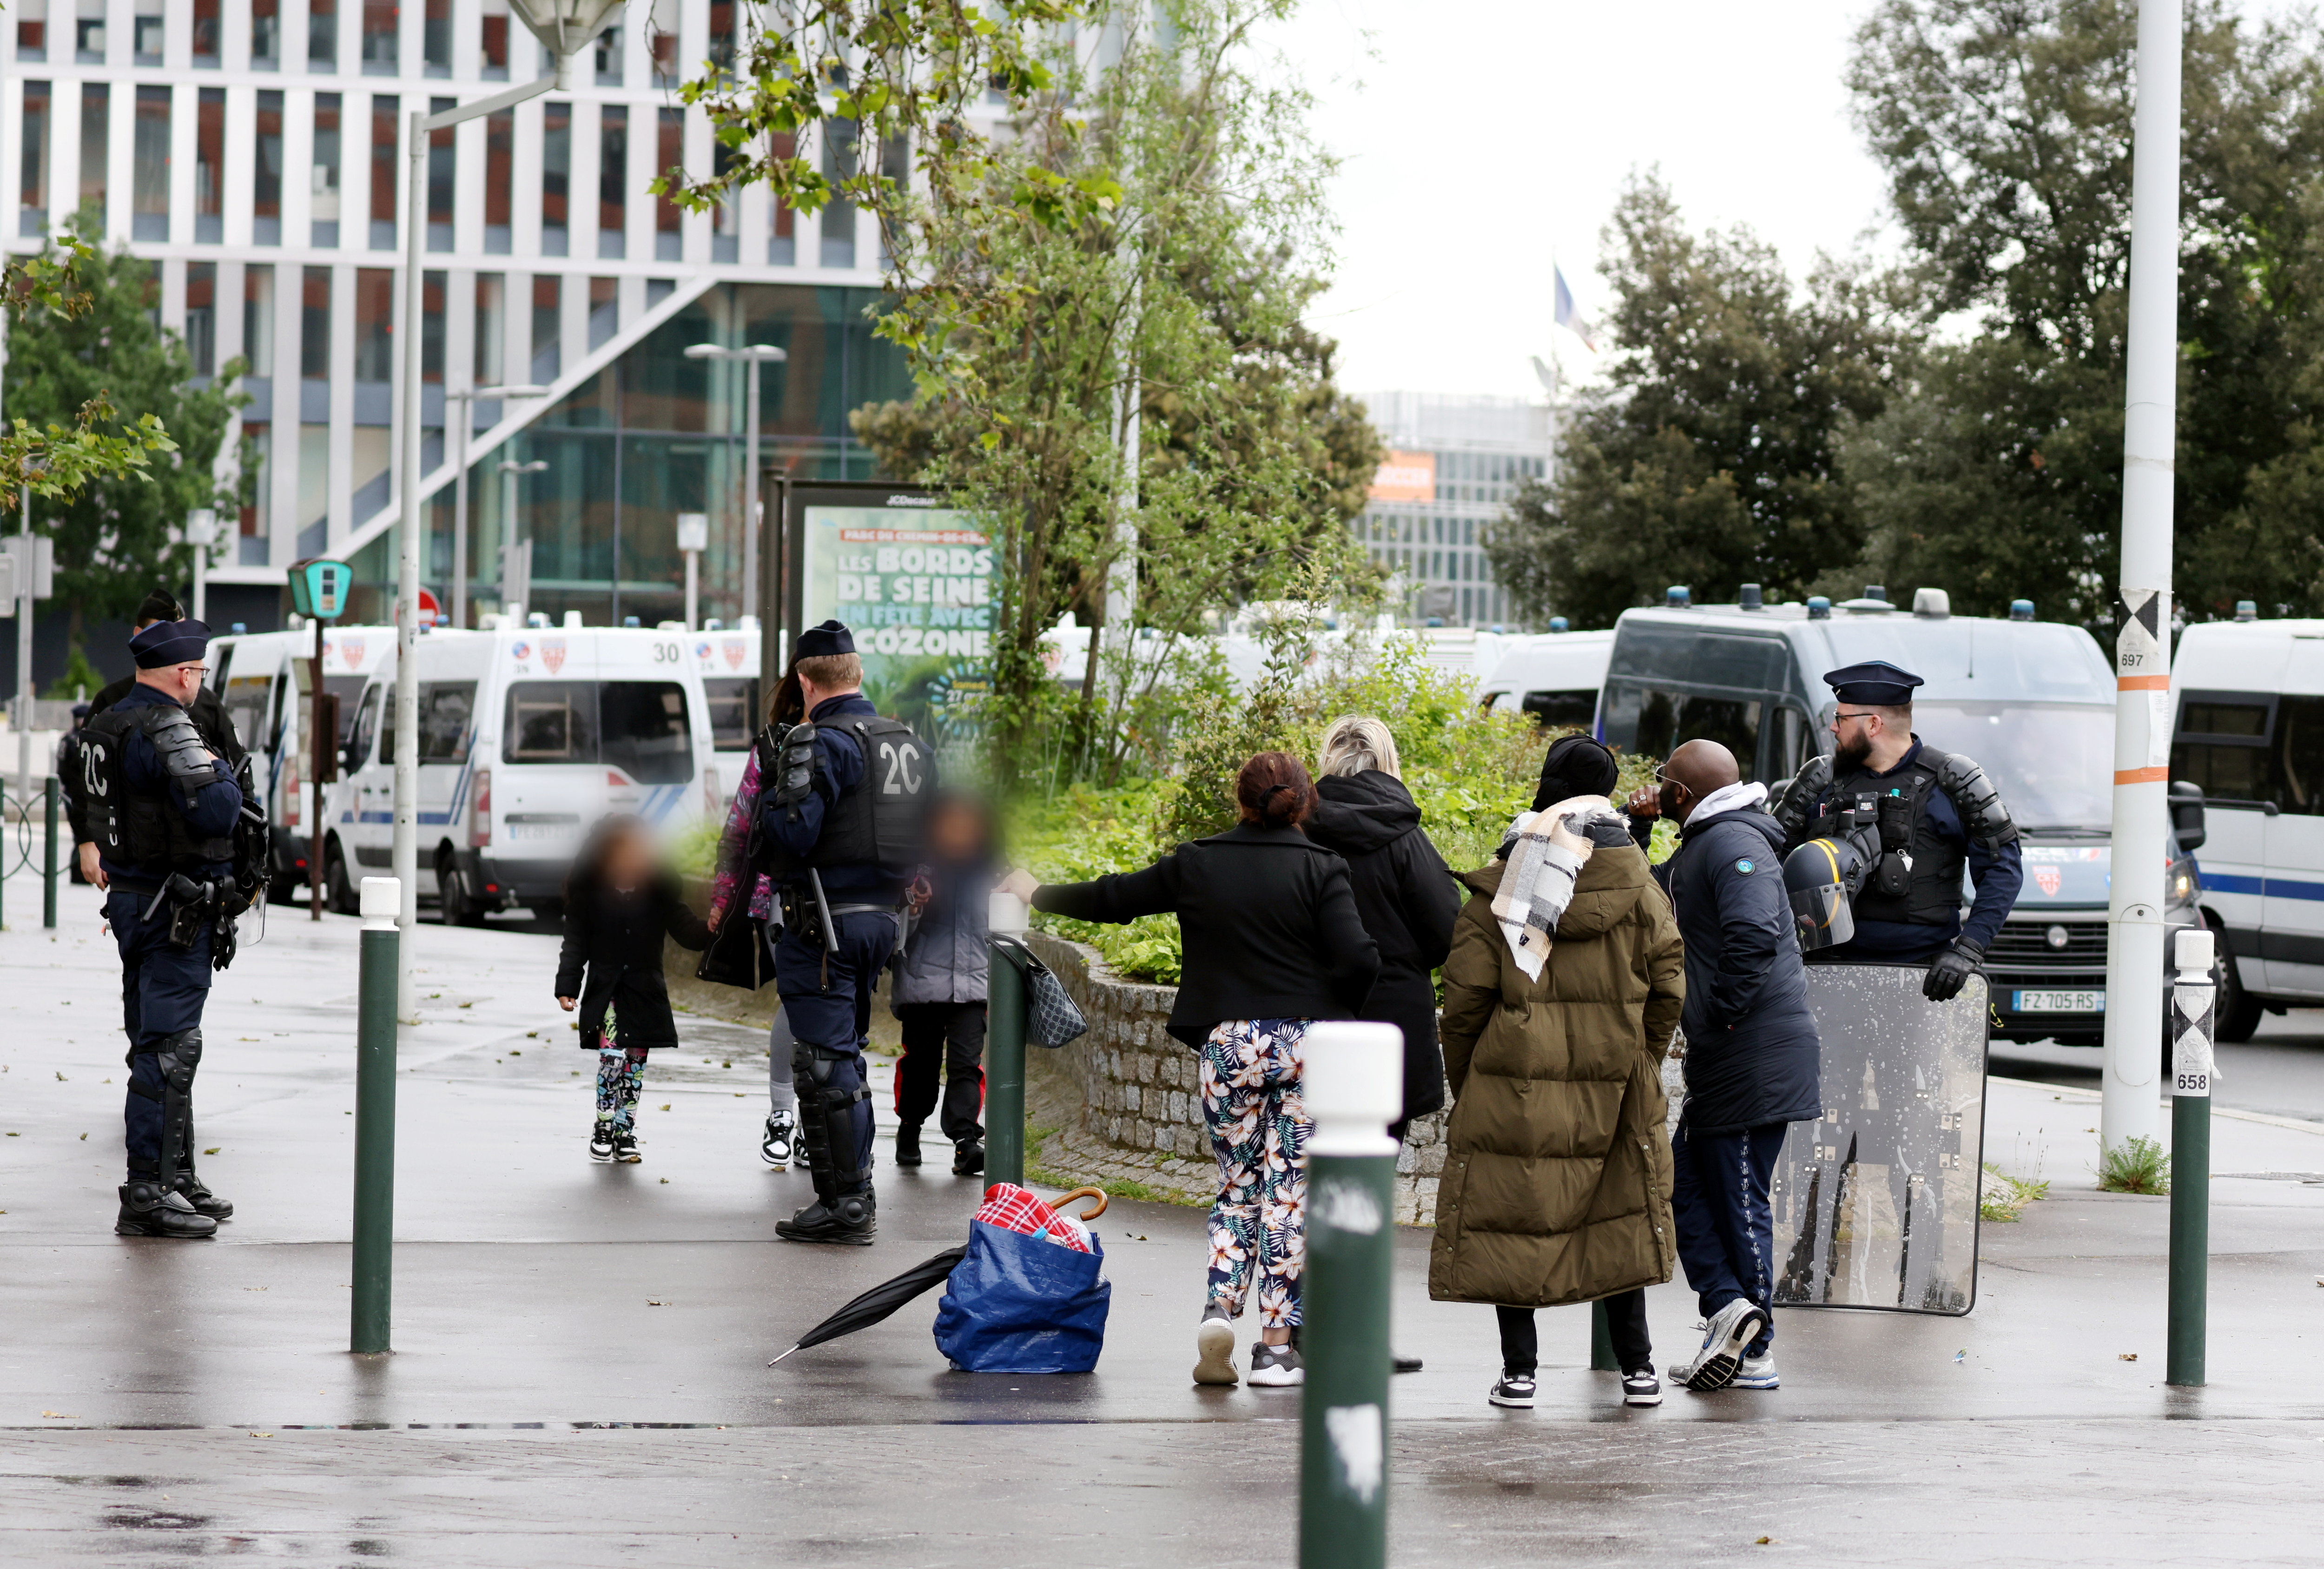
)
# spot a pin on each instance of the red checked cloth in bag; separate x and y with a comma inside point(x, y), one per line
point(1020, 1209)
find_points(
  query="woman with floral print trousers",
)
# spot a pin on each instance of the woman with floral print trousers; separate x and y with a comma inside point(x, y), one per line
point(1273, 943)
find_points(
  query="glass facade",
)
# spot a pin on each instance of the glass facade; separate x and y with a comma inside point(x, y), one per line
point(1453, 463)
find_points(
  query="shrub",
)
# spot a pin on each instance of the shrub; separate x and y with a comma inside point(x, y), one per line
point(2134, 1166)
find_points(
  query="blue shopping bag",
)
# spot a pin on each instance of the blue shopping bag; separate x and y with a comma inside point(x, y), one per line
point(1020, 1304)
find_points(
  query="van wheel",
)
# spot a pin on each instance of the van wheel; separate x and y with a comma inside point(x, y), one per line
point(452, 897)
point(2237, 1010)
point(339, 893)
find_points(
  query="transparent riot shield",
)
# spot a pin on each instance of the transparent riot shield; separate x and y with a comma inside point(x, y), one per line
point(1876, 1201)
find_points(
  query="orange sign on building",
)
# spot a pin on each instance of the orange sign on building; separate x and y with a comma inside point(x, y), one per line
point(1406, 476)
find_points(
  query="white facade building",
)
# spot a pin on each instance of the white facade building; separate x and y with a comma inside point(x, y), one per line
point(1453, 462)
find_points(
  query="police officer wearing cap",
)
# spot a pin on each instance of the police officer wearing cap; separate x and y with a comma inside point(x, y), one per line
point(163, 809)
point(838, 830)
point(1923, 815)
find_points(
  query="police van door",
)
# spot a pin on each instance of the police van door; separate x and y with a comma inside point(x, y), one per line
point(2225, 742)
point(2293, 921)
point(446, 726)
point(367, 823)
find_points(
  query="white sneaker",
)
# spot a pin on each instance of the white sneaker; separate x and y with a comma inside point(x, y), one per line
point(1276, 1366)
point(1758, 1373)
point(1715, 1362)
point(1514, 1389)
point(1214, 1345)
point(1641, 1388)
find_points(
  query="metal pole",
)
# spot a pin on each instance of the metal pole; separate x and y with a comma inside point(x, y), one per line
point(1004, 1045)
point(25, 572)
point(752, 366)
point(2141, 743)
point(693, 586)
point(374, 1245)
point(320, 753)
point(404, 847)
point(2190, 1158)
point(460, 506)
point(1353, 1086)
point(49, 859)
point(1602, 1359)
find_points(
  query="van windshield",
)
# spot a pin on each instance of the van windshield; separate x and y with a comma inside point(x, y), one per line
point(2052, 762)
point(640, 727)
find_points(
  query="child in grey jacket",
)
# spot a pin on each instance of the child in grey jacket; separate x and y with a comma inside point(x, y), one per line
point(938, 989)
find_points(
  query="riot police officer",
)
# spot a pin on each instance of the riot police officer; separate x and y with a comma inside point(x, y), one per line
point(1924, 814)
point(210, 719)
point(165, 810)
point(838, 829)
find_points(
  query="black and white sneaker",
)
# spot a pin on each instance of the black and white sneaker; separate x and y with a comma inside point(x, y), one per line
point(1515, 1390)
point(601, 1143)
point(1276, 1366)
point(775, 1144)
point(1641, 1388)
point(625, 1148)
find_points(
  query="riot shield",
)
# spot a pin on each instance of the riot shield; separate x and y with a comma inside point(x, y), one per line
point(1876, 1203)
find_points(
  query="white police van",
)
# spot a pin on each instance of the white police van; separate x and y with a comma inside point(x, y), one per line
point(1553, 676)
point(2249, 697)
point(727, 660)
point(528, 736)
point(261, 678)
point(2032, 703)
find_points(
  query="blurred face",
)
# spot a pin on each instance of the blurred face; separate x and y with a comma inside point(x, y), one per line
point(954, 833)
point(628, 860)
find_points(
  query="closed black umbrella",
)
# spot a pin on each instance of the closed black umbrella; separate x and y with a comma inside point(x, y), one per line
point(883, 1299)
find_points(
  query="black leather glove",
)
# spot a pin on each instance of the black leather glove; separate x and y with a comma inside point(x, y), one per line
point(1949, 970)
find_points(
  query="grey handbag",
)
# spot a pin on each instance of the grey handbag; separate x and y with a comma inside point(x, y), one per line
point(1051, 1018)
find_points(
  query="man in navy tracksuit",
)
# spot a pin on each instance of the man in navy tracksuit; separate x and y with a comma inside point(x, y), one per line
point(1751, 1055)
point(838, 830)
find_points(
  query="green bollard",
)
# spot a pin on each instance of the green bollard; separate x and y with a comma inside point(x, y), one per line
point(374, 1262)
point(1353, 1083)
point(2193, 995)
point(1004, 1046)
point(49, 862)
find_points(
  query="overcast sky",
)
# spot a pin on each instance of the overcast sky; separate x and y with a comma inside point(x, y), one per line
point(1481, 137)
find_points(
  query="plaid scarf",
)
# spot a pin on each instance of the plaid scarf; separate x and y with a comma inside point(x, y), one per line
point(1546, 850)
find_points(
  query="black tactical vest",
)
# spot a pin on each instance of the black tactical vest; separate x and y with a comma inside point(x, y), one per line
point(144, 830)
point(877, 821)
point(1918, 877)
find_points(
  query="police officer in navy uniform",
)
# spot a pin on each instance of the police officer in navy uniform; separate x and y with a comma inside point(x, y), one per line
point(838, 828)
point(164, 809)
point(1933, 812)
point(210, 719)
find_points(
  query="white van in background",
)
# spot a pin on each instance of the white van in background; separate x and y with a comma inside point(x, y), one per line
point(728, 664)
point(261, 678)
point(2248, 699)
point(1553, 676)
point(528, 736)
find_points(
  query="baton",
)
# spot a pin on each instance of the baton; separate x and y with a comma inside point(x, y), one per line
point(823, 911)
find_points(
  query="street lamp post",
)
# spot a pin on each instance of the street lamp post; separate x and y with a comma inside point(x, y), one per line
point(466, 401)
point(516, 559)
point(564, 28)
point(693, 539)
point(754, 354)
point(201, 533)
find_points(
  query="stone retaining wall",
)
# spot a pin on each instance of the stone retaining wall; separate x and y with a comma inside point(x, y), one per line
point(1125, 1105)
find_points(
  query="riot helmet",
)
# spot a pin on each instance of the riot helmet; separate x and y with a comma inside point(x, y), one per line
point(1821, 877)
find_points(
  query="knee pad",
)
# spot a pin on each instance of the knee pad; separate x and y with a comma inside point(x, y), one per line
point(828, 1115)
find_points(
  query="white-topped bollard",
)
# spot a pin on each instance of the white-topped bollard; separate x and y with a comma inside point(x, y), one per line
point(2194, 996)
point(380, 903)
point(1004, 1047)
point(1352, 1082)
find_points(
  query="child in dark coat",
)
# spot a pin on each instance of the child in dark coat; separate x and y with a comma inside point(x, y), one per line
point(620, 904)
point(938, 992)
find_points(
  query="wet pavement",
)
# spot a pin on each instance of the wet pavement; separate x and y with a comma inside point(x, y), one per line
point(578, 1374)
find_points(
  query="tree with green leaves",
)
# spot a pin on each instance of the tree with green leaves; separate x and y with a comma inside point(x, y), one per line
point(1711, 455)
point(1996, 471)
point(83, 351)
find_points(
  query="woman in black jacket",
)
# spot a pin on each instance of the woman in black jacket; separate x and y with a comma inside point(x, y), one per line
point(620, 904)
point(1272, 943)
point(1404, 891)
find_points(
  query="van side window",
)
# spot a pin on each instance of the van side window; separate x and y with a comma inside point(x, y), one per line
point(1563, 710)
point(445, 709)
point(366, 724)
point(2226, 744)
point(1667, 719)
point(550, 721)
point(734, 704)
point(246, 701)
point(646, 732)
point(2299, 754)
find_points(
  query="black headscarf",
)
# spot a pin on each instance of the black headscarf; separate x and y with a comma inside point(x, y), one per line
point(1576, 766)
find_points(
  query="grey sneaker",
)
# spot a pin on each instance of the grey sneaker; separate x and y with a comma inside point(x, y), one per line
point(1713, 1365)
point(1758, 1373)
point(1276, 1366)
point(1214, 1345)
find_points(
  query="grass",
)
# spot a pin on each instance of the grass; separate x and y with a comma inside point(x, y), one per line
point(2002, 1197)
point(2134, 1166)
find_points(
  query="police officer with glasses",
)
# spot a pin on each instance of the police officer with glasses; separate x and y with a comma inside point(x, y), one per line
point(165, 812)
point(1923, 815)
point(839, 830)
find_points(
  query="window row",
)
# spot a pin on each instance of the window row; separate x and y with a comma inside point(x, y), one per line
point(469, 38)
point(626, 147)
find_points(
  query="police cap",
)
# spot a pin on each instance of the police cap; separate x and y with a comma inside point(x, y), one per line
point(1875, 681)
point(169, 642)
point(831, 638)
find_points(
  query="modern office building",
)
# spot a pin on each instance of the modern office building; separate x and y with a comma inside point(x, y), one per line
point(1452, 462)
point(252, 151)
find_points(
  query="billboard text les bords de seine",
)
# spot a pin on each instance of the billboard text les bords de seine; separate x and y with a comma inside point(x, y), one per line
point(916, 585)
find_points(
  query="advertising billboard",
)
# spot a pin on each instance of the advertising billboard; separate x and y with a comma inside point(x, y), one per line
point(1406, 476)
point(914, 580)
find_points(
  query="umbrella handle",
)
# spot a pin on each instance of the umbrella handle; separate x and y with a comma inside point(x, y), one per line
point(1063, 1199)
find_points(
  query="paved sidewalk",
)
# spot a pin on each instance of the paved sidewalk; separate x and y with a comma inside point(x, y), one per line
point(579, 1369)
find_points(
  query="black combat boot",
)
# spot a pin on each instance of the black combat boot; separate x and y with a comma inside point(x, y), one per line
point(968, 1157)
point(148, 1209)
point(908, 1143)
point(198, 1193)
point(851, 1218)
